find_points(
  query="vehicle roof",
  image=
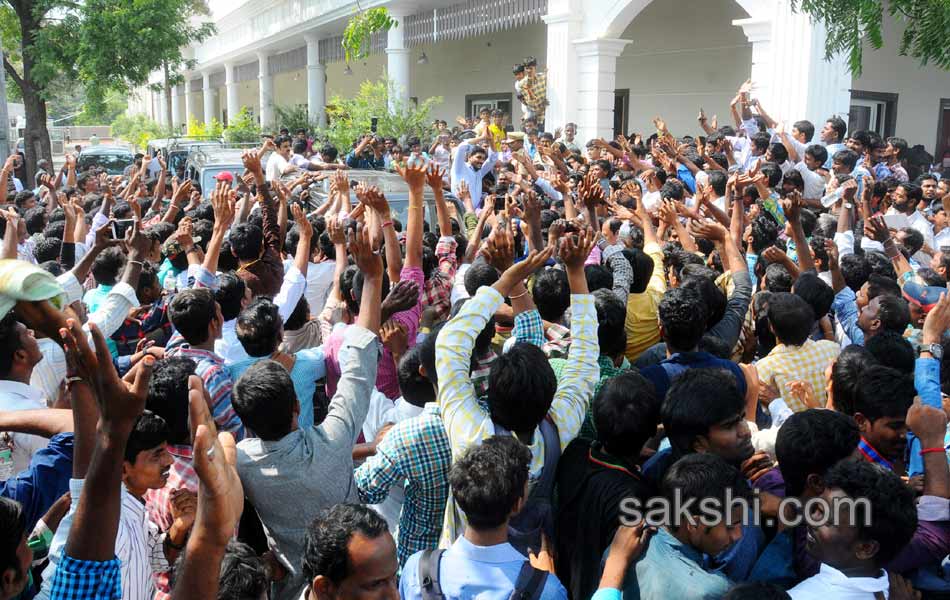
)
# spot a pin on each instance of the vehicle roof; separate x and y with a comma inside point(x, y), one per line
point(109, 149)
point(217, 156)
point(187, 144)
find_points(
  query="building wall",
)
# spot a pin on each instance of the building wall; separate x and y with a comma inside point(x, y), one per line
point(683, 55)
point(919, 89)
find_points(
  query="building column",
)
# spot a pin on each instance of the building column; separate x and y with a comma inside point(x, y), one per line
point(266, 89)
point(230, 82)
point(189, 103)
point(596, 81)
point(208, 96)
point(789, 72)
point(316, 82)
point(564, 23)
point(162, 117)
point(397, 61)
point(176, 108)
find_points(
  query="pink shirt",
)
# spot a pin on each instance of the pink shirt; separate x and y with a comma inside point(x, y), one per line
point(386, 380)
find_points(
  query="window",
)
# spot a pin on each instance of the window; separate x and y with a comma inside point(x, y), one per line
point(873, 111)
point(474, 103)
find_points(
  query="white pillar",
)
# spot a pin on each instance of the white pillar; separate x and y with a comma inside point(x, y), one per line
point(316, 82)
point(230, 82)
point(266, 88)
point(176, 107)
point(564, 21)
point(596, 81)
point(162, 117)
point(208, 96)
point(397, 61)
point(190, 112)
point(789, 72)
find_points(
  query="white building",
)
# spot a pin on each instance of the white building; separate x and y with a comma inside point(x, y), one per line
point(612, 65)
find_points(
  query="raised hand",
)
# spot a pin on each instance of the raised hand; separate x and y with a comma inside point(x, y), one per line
point(435, 175)
point(937, 321)
point(499, 249)
point(403, 296)
point(335, 231)
point(375, 199)
point(252, 162)
point(367, 258)
point(876, 229)
point(576, 248)
point(222, 202)
point(394, 337)
point(414, 175)
point(304, 226)
point(709, 230)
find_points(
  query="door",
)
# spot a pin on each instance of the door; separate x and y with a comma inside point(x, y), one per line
point(942, 154)
point(621, 110)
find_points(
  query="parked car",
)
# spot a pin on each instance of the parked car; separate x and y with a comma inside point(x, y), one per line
point(203, 164)
point(112, 159)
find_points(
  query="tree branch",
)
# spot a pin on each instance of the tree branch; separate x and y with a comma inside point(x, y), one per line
point(11, 71)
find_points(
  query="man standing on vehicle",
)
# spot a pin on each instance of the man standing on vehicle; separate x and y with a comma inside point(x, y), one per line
point(279, 163)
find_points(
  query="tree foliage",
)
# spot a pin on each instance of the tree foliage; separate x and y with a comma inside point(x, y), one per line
point(294, 117)
point(242, 128)
point(361, 27)
point(137, 129)
point(198, 128)
point(850, 22)
point(349, 118)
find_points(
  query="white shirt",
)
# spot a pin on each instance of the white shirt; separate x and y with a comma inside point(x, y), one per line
point(50, 371)
point(138, 546)
point(832, 583)
point(942, 238)
point(814, 183)
point(276, 165)
point(319, 283)
point(461, 171)
point(19, 396)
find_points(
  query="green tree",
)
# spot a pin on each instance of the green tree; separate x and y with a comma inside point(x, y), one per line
point(294, 117)
point(103, 44)
point(242, 128)
point(349, 118)
point(850, 22)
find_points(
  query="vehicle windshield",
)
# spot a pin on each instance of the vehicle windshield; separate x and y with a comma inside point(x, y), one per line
point(114, 164)
point(176, 160)
point(208, 175)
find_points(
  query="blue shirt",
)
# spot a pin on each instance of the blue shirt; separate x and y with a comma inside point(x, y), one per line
point(671, 569)
point(470, 571)
point(832, 148)
point(663, 374)
point(47, 478)
point(309, 366)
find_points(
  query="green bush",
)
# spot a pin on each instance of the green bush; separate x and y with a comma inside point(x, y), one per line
point(137, 129)
point(242, 128)
point(349, 118)
point(293, 118)
point(198, 128)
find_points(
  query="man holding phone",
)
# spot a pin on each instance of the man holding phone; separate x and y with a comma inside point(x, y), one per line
point(368, 154)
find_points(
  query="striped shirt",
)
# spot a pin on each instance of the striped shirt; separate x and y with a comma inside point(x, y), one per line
point(210, 367)
point(415, 451)
point(467, 423)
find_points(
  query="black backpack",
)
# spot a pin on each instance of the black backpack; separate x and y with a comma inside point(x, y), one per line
point(528, 586)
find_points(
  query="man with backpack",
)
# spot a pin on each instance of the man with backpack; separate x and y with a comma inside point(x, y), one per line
point(489, 483)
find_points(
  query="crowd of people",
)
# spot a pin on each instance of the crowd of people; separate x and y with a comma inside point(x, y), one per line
point(659, 366)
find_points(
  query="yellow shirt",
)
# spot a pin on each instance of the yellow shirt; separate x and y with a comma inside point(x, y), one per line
point(643, 328)
point(497, 135)
point(798, 363)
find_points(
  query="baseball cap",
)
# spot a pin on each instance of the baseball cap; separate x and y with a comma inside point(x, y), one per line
point(924, 296)
point(225, 176)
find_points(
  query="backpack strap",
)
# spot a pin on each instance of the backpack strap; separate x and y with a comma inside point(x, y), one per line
point(530, 583)
point(429, 574)
point(552, 453)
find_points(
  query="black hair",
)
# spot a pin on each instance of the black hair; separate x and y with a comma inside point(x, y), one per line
point(351, 288)
point(300, 146)
point(298, 318)
point(242, 575)
point(848, 158)
point(893, 313)
point(818, 152)
point(846, 374)
point(777, 278)
point(489, 479)
point(598, 277)
point(191, 311)
point(890, 349)
point(794, 178)
point(757, 590)
point(611, 317)
point(35, 219)
point(806, 128)
point(326, 545)
point(230, 294)
point(718, 180)
point(672, 190)
point(861, 136)
point(764, 233)
point(817, 245)
point(54, 230)
point(625, 413)
point(264, 398)
point(772, 171)
point(697, 400)
point(884, 392)
point(642, 265)
point(811, 442)
point(893, 518)
point(162, 230)
point(281, 139)
point(478, 275)
point(900, 144)
point(259, 327)
point(703, 281)
point(791, 318)
point(149, 431)
point(47, 249)
point(913, 240)
point(551, 294)
point(700, 477)
point(9, 343)
point(521, 388)
point(416, 389)
point(107, 266)
point(246, 239)
point(12, 530)
point(931, 277)
point(683, 315)
point(855, 270)
point(168, 396)
point(818, 294)
point(840, 127)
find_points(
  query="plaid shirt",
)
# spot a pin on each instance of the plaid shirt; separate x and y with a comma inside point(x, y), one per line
point(557, 341)
point(798, 363)
point(467, 423)
point(415, 451)
point(438, 287)
point(217, 380)
point(158, 502)
point(87, 580)
point(607, 370)
point(535, 94)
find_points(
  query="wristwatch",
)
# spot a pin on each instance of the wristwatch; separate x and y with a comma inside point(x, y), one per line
point(935, 350)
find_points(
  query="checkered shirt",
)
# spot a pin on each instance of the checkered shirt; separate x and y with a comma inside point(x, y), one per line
point(607, 370)
point(415, 451)
point(535, 94)
point(87, 580)
point(798, 363)
point(438, 288)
